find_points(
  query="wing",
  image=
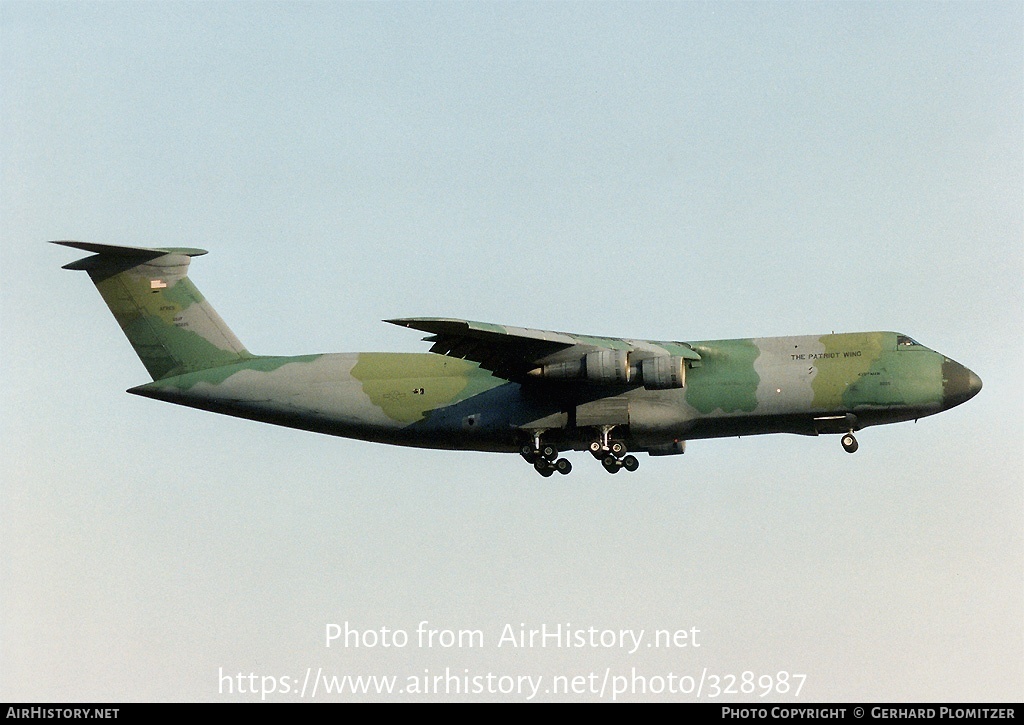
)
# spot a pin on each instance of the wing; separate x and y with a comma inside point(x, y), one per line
point(519, 353)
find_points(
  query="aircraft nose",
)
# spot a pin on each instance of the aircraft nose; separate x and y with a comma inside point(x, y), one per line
point(958, 383)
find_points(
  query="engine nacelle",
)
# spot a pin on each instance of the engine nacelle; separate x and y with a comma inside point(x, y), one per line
point(602, 367)
point(612, 367)
point(607, 367)
point(663, 372)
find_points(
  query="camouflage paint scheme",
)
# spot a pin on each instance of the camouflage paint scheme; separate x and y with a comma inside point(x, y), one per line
point(495, 388)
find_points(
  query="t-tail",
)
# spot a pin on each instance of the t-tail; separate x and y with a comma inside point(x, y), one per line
point(170, 324)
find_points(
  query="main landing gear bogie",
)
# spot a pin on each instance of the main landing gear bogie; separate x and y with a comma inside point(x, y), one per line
point(544, 458)
point(533, 454)
point(599, 449)
point(613, 464)
point(612, 454)
point(547, 468)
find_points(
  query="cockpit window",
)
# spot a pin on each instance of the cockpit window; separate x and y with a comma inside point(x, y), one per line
point(902, 341)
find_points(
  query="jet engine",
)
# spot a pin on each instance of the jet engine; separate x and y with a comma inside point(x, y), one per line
point(663, 372)
point(612, 367)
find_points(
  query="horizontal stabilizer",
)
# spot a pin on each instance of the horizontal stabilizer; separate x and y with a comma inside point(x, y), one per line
point(112, 250)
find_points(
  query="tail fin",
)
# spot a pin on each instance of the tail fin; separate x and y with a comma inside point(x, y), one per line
point(170, 324)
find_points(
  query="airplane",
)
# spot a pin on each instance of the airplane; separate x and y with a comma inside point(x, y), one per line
point(487, 387)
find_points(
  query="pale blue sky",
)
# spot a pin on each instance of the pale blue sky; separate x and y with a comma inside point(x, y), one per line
point(659, 170)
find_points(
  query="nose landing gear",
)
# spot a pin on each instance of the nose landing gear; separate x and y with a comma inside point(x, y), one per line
point(850, 444)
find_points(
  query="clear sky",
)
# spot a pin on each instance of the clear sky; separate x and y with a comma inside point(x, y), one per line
point(666, 171)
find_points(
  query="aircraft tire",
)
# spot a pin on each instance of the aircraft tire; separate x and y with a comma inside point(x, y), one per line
point(850, 444)
point(563, 466)
point(630, 463)
point(618, 449)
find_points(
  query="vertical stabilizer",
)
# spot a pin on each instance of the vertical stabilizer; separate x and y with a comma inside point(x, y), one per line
point(172, 327)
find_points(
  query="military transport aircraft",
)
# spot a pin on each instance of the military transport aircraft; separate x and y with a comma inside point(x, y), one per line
point(487, 387)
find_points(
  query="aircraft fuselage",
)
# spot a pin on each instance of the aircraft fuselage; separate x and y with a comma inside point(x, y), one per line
point(806, 385)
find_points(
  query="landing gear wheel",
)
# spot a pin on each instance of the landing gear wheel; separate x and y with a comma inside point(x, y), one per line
point(596, 450)
point(630, 463)
point(611, 464)
point(563, 466)
point(618, 448)
point(548, 452)
point(528, 453)
point(543, 467)
point(850, 444)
